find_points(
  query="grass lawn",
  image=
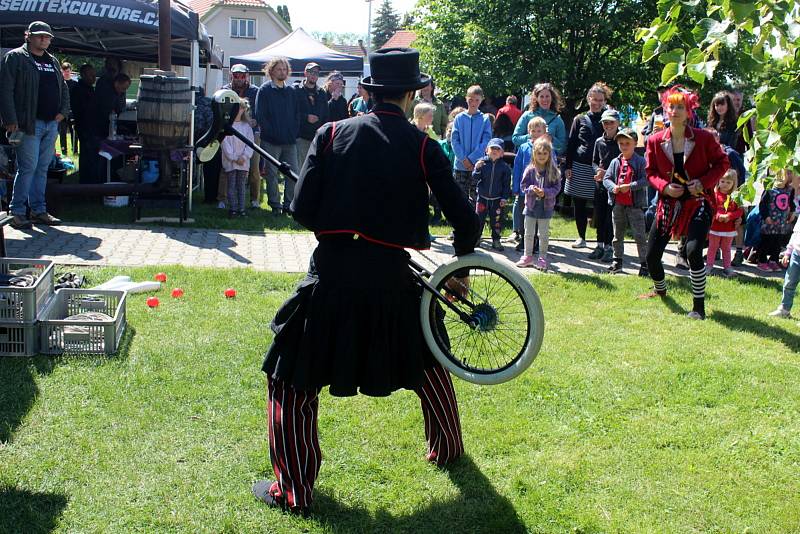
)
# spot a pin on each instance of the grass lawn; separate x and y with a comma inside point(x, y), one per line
point(632, 419)
point(92, 210)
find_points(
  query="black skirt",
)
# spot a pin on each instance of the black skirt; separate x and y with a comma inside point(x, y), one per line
point(352, 323)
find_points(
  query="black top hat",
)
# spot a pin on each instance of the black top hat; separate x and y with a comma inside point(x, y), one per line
point(395, 69)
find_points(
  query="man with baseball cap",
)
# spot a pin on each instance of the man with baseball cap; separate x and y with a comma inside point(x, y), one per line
point(33, 100)
point(317, 103)
point(240, 84)
point(353, 323)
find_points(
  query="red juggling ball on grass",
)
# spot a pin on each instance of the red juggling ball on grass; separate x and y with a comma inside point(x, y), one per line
point(161, 277)
point(152, 302)
point(177, 293)
point(230, 293)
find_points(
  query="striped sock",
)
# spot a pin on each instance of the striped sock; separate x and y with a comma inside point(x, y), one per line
point(661, 285)
point(698, 278)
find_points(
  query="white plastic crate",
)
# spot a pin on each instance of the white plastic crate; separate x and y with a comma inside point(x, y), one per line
point(18, 339)
point(24, 304)
point(58, 335)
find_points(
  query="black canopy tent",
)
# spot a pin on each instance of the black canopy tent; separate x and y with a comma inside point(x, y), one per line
point(127, 29)
point(300, 48)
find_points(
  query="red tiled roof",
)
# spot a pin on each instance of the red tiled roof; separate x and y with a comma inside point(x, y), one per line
point(203, 6)
point(353, 50)
point(401, 38)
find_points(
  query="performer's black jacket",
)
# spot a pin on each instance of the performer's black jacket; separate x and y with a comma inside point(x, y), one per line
point(369, 175)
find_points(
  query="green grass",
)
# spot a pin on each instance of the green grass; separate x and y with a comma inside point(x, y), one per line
point(632, 419)
point(92, 211)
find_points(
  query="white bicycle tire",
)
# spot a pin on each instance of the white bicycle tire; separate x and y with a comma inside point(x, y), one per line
point(534, 312)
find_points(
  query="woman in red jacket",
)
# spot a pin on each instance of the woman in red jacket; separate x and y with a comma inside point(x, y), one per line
point(683, 165)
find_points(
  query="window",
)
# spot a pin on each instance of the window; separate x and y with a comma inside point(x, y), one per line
point(243, 28)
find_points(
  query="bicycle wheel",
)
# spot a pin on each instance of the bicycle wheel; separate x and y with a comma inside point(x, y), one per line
point(499, 326)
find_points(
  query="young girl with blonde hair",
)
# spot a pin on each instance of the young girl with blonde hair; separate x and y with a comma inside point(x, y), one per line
point(541, 183)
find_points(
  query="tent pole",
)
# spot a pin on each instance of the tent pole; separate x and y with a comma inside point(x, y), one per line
point(164, 35)
point(193, 70)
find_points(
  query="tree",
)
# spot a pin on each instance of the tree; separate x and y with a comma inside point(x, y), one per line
point(409, 20)
point(386, 23)
point(337, 37)
point(507, 46)
point(283, 12)
point(761, 35)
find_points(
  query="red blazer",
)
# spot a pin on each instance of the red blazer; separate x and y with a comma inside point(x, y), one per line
point(703, 160)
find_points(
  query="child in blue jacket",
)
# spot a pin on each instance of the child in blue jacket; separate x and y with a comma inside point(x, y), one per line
point(493, 187)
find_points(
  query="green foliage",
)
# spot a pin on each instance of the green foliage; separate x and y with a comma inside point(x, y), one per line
point(409, 20)
point(283, 12)
point(508, 46)
point(385, 24)
point(759, 36)
point(341, 38)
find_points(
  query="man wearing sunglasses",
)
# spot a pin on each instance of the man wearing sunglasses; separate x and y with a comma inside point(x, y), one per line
point(240, 84)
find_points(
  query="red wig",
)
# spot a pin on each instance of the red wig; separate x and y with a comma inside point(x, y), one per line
point(678, 94)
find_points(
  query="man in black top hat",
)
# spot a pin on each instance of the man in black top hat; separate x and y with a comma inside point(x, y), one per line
point(353, 323)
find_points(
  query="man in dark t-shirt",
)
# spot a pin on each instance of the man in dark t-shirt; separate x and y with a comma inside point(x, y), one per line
point(33, 100)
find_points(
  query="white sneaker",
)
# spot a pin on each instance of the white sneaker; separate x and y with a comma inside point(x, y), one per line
point(255, 204)
point(221, 205)
point(780, 312)
point(579, 243)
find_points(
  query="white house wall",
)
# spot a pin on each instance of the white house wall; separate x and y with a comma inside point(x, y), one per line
point(218, 24)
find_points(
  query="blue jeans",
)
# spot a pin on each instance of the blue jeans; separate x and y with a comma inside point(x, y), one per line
point(516, 215)
point(791, 280)
point(34, 155)
point(284, 153)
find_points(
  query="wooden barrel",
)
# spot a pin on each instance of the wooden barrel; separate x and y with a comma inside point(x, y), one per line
point(163, 111)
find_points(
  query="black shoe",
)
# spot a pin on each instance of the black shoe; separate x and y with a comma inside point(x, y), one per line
point(608, 255)
point(45, 218)
point(596, 254)
point(615, 268)
point(738, 258)
point(520, 247)
point(644, 271)
point(232, 214)
point(497, 246)
point(242, 213)
point(19, 222)
point(277, 211)
point(262, 490)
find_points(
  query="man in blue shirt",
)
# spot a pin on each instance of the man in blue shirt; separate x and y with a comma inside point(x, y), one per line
point(278, 113)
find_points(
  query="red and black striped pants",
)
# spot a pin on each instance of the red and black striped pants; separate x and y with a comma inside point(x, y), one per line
point(294, 443)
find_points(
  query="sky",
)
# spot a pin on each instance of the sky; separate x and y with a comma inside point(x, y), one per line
point(340, 16)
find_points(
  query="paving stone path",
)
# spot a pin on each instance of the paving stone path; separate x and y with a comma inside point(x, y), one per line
point(132, 245)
